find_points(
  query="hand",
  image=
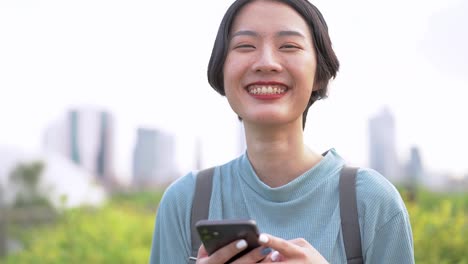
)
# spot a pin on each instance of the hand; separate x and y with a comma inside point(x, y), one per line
point(223, 254)
point(293, 251)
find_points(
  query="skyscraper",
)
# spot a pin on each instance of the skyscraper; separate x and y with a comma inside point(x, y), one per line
point(242, 141)
point(382, 149)
point(85, 136)
point(198, 154)
point(414, 169)
point(154, 157)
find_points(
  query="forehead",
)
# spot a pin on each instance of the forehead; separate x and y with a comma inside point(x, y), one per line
point(269, 16)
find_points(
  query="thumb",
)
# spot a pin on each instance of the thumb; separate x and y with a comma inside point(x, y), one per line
point(202, 252)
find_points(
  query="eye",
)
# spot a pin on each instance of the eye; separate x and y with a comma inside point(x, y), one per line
point(290, 47)
point(244, 46)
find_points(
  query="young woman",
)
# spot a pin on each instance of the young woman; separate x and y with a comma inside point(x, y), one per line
point(273, 59)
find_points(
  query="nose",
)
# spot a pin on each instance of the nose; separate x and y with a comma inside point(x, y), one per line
point(267, 61)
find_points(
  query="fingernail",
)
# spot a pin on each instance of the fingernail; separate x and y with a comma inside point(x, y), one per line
point(274, 256)
point(263, 238)
point(241, 244)
point(266, 251)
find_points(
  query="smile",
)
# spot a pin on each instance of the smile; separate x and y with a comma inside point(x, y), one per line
point(266, 89)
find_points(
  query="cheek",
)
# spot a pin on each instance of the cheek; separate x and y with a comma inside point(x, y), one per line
point(309, 71)
point(228, 72)
point(233, 73)
point(229, 81)
point(305, 77)
point(232, 67)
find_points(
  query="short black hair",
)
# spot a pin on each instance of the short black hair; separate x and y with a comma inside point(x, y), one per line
point(327, 62)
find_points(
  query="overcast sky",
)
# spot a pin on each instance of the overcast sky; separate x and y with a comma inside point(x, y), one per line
point(145, 61)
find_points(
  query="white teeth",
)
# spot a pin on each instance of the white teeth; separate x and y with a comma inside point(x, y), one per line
point(267, 89)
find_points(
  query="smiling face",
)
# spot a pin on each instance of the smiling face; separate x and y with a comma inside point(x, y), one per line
point(270, 65)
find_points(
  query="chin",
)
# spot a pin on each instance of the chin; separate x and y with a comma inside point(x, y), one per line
point(269, 120)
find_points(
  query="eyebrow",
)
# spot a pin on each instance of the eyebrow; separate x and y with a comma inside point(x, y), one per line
point(290, 33)
point(244, 33)
point(282, 33)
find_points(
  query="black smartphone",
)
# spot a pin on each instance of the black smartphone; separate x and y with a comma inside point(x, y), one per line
point(215, 234)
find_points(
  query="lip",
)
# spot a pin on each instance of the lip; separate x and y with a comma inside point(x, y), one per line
point(267, 83)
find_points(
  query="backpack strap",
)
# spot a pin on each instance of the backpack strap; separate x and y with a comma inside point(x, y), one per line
point(349, 216)
point(200, 207)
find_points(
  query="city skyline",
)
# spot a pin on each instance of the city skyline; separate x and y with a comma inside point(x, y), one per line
point(86, 137)
point(149, 69)
point(154, 159)
point(382, 152)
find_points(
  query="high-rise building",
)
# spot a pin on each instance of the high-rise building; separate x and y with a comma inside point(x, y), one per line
point(382, 146)
point(198, 154)
point(85, 136)
point(414, 169)
point(154, 157)
point(242, 141)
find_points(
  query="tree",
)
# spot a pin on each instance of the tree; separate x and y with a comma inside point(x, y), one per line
point(25, 178)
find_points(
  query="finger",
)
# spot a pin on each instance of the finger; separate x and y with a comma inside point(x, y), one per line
point(254, 256)
point(300, 242)
point(202, 252)
point(275, 256)
point(284, 247)
point(223, 254)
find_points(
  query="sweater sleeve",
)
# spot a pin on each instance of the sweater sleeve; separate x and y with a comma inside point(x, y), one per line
point(384, 221)
point(393, 242)
point(171, 237)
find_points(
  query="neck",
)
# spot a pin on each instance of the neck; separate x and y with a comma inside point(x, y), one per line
point(278, 154)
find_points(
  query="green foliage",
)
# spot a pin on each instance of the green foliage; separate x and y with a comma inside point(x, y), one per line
point(141, 200)
point(27, 174)
point(25, 178)
point(121, 231)
point(440, 235)
point(440, 227)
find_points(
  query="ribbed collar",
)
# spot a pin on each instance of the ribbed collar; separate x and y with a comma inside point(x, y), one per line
point(307, 182)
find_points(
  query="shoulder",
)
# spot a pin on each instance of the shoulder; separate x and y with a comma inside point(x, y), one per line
point(384, 220)
point(377, 196)
point(178, 196)
point(171, 238)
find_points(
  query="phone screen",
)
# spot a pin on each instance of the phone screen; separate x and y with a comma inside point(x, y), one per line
point(216, 234)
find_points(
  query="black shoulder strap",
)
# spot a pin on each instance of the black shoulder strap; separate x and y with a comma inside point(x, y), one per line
point(200, 206)
point(349, 216)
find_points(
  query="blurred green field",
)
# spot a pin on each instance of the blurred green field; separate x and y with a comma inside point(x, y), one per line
point(440, 227)
point(121, 231)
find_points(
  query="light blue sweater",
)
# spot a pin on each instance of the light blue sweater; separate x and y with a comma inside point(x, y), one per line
point(306, 207)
